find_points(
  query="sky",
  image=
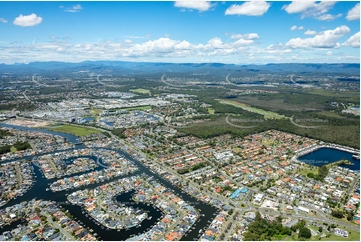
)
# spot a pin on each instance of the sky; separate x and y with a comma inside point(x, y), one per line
point(255, 32)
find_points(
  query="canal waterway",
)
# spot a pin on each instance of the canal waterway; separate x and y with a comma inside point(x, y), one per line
point(38, 191)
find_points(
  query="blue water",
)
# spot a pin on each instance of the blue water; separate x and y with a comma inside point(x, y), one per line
point(108, 123)
point(70, 137)
point(324, 156)
point(89, 119)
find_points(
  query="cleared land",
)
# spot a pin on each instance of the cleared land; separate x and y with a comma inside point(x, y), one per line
point(76, 130)
point(96, 111)
point(210, 111)
point(141, 90)
point(266, 114)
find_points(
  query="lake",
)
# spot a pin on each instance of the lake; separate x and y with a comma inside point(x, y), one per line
point(325, 156)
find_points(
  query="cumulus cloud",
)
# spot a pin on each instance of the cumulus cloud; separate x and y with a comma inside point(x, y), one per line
point(325, 39)
point(328, 17)
point(74, 9)
point(353, 41)
point(27, 20)
point(298, 6)
point(240, 47)
point(3, 20)
point(310, 32)
point(312, 9)
point(354, 13)
point(197, 5)
point(294, 27)
point(253, 8)
point(249, 36)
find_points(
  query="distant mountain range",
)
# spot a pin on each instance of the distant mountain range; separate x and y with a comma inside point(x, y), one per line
point(149, 67)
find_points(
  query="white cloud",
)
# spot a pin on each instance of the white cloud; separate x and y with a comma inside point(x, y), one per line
point(310, 32)
point(249, 36)
point(328, 17)
point(253, 8)
point(312, 9)
point(27, 20)
point(325, 39)
point(198, 5)
point(74, 9)
point(329, 53)
point(353, 41)
point(354, 13)
point(240, 47)
point(294, 27)
point(3, 20)
point(298, 6)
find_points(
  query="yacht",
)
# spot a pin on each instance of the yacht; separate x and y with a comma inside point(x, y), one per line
point(356, 156)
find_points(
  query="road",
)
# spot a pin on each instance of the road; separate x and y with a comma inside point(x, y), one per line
point(105, 84)
point(26, 97)
point(162, 80)
point(37, 82)
point(237, 126)
point(56, 225)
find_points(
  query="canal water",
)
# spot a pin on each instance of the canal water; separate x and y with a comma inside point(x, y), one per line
point(38, 191)
point(324, 156)
point(70, 137)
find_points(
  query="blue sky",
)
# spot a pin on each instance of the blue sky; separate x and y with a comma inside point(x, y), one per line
point(199, 31)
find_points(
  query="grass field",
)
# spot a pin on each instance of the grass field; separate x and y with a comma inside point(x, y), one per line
point(354, 236)
point(210, 111)
point(266, 114)
point(76, 130)
point(13, 149)
point(96, 111)
point(308, 169)
point(137, 108)
point(141, 90)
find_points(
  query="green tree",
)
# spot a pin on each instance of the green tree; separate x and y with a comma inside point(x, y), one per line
point(304, 233)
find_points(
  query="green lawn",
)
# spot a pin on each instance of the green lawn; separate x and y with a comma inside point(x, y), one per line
point(266, 114)
point(13, 149)
point(76, 130)
point(308, 169)
point(210, 111)
point(141, 90)
point(354, 236)
point(137, 108)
